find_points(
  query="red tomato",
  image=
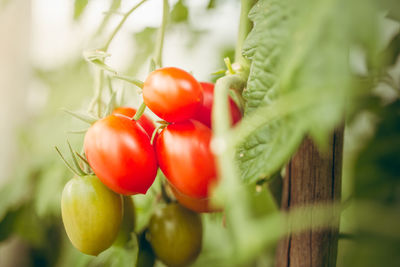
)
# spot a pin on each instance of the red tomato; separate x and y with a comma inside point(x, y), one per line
point(195, 204)
point(204, 112)
point(184, 155)
point(120, 154)
point(172, 94)
point(144, 121)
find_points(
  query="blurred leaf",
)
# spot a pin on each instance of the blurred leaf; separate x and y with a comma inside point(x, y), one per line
point(297, 54)
point(180, 12)
point(377, 173)
point(29, 227)
point(211, 4)
point(15, 193)
point(49, 189)
point(144, 48)
point(117, 256)
point(79, 8)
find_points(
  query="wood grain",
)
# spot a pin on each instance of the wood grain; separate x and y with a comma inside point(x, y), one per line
point(312, 177)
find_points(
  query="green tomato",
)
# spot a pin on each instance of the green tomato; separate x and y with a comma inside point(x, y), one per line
point(91, 213)
point(175, 233)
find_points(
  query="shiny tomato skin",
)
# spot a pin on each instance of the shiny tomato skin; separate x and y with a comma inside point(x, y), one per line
point(172, 94)
point(184, 155)
point(204, 112)
point(144, 120)
point(91, 214)
point(200, 205)
point(176, 235)
point(120, 154)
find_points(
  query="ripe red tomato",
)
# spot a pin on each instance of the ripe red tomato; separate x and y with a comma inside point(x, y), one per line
point(144, 121)
point(172, 94)
point(120, 154)
point(195, 204)
point(184, 155)
point(204, 112)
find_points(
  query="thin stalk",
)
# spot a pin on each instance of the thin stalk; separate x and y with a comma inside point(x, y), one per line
point(139, 112)
point(124, 18)
point(161, 34)
point(245, 26)
point(133, 81)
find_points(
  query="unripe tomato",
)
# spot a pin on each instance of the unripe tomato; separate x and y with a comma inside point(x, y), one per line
point(128, 222)
point(175, 233)
point(195, 204)
point(204, 112)
point(184, 155)
point(172, 94)
point(120, 154)
point(144, 121)
point(91, 213)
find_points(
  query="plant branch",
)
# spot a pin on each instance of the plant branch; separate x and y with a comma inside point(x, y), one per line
point(245, 26)
point(124, 18)
point(139, 112)
point(161, 34)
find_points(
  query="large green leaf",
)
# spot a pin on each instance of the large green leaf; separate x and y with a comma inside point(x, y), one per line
point(295, 50)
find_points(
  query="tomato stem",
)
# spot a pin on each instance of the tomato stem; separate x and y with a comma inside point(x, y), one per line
point(66, 162)
point(133, 81)
point(245, 26)
point(228, 65)
point(124, 18)
point(140, 111)
point(161, 34)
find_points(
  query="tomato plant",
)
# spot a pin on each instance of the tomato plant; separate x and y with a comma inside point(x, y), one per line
point(204, 112)
point(185, 157)
point(144, 121)
point(91, 214)
point(120, 153)
point(175, 233)
point(172, 94)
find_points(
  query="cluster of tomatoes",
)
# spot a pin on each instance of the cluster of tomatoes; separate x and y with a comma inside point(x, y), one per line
point(125, 155)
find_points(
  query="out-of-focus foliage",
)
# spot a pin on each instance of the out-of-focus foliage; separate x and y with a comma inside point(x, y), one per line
point(298, 58)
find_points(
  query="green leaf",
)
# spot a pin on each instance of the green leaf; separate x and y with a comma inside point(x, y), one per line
point(117, 256)
point(79, 7)
point(180, 12)
point(294, 50)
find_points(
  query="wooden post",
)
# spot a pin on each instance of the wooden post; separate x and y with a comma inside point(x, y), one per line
point(312, 177)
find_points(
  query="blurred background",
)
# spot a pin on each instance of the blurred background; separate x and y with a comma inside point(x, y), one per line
point(42, 71)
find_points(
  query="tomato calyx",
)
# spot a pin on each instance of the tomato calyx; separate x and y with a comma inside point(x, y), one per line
point(80, 166)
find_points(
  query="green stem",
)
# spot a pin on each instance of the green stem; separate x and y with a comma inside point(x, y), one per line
point(161, 34)
point(124, 18)
point(133, 81)
point(96, 101)
point(139, 112)
point(245, 26)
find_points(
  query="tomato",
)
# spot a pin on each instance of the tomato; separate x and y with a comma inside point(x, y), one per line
point(184, 155)
point(204, 112)
point(175, 233)
point(120, 154)
point(195, 204)
point(128, 222)
point(144, 121)
point(172, 94)
point(91, 214)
